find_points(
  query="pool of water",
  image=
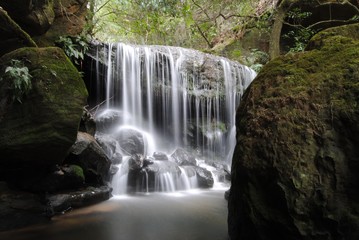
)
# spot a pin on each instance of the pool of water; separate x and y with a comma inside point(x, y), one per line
point(194, 215)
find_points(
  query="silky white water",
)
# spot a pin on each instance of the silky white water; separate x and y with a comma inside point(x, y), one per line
point(176, 98)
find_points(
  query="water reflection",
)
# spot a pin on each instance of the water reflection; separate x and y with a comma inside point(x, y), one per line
point(197, 215)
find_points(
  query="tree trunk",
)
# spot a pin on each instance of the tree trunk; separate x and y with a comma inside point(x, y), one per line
point(274, 43)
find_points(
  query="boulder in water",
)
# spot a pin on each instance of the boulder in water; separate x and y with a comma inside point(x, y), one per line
point(135, 163)
point(160, 156)
point(88, 154)
point(204, 177)
point(110, 147)
point(59, 203)
point(108, 120)
point(182, 157)
point(148, 161)
point(130, 140)
point(296, 163)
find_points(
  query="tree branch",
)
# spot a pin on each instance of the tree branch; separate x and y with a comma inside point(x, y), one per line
point(16, 28)
point(204, 36)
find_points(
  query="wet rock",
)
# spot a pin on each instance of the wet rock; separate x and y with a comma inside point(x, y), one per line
point(113, 170)
point(58, 203)
point(20, 209)
point(226, 194)
point(130, 140)
point(60, 178)
point(110, 147)
point(108, 120)
point(204, 177)
point(160, 156)
point(182, 157)
point(87, 123)
point(148, 161)
point(295, 167)
point(87, 153)
point(135, 163)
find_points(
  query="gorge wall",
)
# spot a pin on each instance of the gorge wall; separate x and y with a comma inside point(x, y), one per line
point(294, 169)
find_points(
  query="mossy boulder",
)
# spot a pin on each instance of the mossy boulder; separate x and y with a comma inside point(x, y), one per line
point(41, 130)
point(324, 38)
point(295, 167)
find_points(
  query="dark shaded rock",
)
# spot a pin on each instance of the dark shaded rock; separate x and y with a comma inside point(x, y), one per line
point(113, 170)
point(182, 157)
point(148, 161)
point(204, 177)
point(135, 163)
point(70, 20)
point(59, 203)
point(87, 123)
point(160, 156)
point(296, 163)
point(41, 130)
point(60, 178)
point(226, 194)
point(35, 17)
point(88, 154)
point(20, 209)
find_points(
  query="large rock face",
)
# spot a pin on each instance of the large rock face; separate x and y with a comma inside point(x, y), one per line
point(295, 167)
point(44, 20)
point(42, 129)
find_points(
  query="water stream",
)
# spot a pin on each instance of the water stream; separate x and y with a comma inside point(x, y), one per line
point(160, 99)
point(158, 216)
point(168, 126)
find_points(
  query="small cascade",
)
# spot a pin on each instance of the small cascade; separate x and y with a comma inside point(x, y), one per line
point(119, 180)
point(184, 183)
point(165, 98)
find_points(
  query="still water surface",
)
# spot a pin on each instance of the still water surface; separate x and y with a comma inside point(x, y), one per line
point(196, 215)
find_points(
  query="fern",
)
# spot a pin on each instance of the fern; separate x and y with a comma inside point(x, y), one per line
point(74, 47)
point(18, 74)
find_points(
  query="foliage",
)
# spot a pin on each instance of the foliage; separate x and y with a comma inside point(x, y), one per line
point(257, 59)
point(74, 47)
point(300, 35)
point(199, 24)
point(20, 79)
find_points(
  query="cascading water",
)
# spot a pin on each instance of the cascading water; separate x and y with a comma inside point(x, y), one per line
point(168, 98)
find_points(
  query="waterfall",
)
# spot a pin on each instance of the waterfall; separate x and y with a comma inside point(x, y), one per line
point(176, 98)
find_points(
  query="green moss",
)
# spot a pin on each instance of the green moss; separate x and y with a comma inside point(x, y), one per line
point(78, 171)
point(50, 114)
point(335, 35)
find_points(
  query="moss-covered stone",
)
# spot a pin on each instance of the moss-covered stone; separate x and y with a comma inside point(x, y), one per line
point(294, 171)
point(42, 129)
point(348, 31)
